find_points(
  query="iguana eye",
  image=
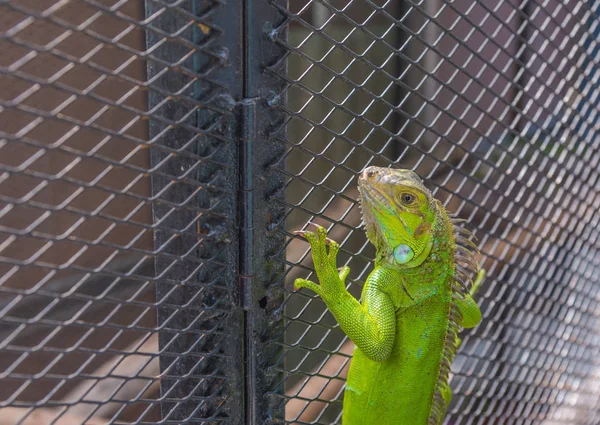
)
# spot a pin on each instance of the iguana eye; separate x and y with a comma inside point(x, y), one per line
point(407, 198)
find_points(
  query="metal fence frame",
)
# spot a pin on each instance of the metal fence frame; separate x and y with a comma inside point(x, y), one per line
point(241, 121)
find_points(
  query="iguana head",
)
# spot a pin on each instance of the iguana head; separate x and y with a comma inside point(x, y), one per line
point(399, 214)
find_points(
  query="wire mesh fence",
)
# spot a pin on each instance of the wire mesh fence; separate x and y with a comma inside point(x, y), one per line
point(118, 251)
point(156, 156)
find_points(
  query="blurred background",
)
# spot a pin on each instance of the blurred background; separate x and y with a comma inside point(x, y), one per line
point(156, 156)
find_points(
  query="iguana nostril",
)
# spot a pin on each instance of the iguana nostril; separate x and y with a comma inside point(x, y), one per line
point(373, 175)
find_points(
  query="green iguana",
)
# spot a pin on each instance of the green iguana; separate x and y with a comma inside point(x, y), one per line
point(413, 302)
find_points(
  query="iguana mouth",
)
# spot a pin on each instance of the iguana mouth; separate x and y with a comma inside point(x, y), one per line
point(374, 205)
point(367, 182)
point(375, 198)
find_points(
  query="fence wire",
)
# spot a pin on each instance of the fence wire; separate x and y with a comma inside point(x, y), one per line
point(155, 157)
point(495, 104)
point(117, 250)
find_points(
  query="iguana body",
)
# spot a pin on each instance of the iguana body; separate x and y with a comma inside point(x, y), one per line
point(413, 302)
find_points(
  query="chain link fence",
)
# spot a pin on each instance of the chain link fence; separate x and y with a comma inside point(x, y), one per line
point(156, 156)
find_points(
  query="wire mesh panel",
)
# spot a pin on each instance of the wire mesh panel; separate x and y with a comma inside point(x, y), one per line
point(495, 105)
point(117, 207)
point(155, 157)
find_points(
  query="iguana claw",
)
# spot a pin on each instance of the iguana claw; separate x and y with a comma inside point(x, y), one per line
point(324, 253)
point(302, 233)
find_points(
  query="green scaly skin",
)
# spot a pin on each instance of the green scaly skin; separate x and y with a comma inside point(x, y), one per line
point(412, 307)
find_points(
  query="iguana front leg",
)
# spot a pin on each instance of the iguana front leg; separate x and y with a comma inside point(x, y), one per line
point(471, 317)
point(471, 314)
point(370, 326)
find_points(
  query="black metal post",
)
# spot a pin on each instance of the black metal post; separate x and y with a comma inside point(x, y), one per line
point(260, 275)
point(195, 71)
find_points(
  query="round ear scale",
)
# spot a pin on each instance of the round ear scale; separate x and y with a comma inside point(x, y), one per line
point(403, 254)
